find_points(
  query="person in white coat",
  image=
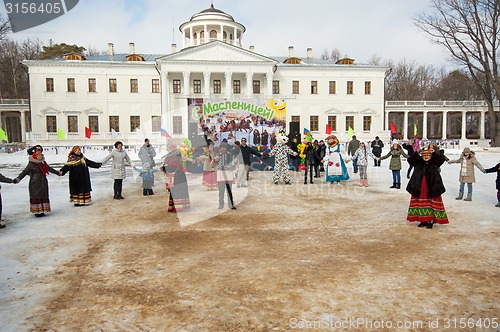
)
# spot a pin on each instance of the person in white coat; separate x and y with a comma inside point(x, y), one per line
point(118, 172)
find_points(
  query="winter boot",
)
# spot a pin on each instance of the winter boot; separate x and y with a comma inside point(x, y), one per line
point(361, 183)
point(398, 185)
point(469, 197)
point(393, 185)
point(460, 196)
point(145, 192)
point(366, 182)
point(498, 204)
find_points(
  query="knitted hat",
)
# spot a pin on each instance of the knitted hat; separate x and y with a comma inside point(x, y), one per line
point(466, 150)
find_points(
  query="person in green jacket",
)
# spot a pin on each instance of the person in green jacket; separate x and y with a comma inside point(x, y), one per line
point(395, 164)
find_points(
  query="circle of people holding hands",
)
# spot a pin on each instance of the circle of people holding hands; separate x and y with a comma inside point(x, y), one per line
point(226, 165)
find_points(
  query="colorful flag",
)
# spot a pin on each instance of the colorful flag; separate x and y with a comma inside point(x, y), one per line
point(61, 134)
point(328, 130)
point(164, 133)
point(350, 132)
point(306, 131)
point(415, 129)
point(114, 134)
point(3, 135)
point(88, 133)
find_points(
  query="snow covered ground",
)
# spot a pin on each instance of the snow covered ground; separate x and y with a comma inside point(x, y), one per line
point(66, 223)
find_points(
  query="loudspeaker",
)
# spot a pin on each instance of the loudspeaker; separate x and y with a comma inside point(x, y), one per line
point(294, 131)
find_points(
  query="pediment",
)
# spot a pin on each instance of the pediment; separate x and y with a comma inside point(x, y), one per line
point(92, 110)
point(216, 51)
point(49, 111)
point(368, 111)
point(333, 111)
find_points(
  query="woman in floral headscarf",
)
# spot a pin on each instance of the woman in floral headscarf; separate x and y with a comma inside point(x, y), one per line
point(79, 176)
point(38, 169)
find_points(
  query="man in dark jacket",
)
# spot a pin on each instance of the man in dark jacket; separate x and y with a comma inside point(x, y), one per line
point(351, 150)
point(497, 170)
point(377, 146)
point(246, 151)
point(322, 153)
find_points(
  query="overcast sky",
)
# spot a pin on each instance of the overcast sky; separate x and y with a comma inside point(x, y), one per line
point(357, 28)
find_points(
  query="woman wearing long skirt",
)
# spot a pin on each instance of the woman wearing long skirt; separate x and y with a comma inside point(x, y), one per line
point(38, 169)
point(209, 180)
point(426, 187)
point(79, 176)
point(176, 182)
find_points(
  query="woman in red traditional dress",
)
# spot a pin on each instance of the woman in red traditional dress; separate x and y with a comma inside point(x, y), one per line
point(426, 187)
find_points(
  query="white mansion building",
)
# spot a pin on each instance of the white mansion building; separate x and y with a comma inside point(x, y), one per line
point(131, 96)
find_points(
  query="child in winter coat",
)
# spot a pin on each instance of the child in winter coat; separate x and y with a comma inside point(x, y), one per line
point(493, 170)
point(467, 162)
point(148, 179)
point(226, 164)
point(395, 165)
point(6, 180)
point(361, 155)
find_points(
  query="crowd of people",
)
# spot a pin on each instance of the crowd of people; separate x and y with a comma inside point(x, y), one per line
point(227, 164)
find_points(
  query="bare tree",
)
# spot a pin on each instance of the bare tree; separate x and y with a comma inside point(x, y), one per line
point(333, 55)
point(4, 27)
point(470, 31)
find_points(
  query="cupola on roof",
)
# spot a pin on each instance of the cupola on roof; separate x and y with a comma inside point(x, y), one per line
point(211, 24)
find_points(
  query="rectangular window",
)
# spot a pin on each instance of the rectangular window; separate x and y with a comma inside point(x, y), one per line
point(51, 123)
point(332, 122)
point(276, 87)
point(177, 86)
point(295, 87)
point(296, 118)
point(177, 124)
point(217, 86)
point(350, 87)
point(49, 84)
point(367, 123)
point(156, 123)
point(314, 87)
point(314, 123)
point(112, 85)
point(332, 87)
point(114, 123)
point(197, 86)
point(256, 86)
point(155, 85)
point(135, 122)
point(349, 122)
point(72, 123)
point(94, 123)
point(368, 88)
point(92, 85)
point(71, 85)
point(134, 85)
point(236, 86)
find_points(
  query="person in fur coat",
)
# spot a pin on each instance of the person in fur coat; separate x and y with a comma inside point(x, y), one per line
point(467, 162)
point(497, 170)
point(79, 176)
point(426, 187)
point(37, 170)
point(118, 173)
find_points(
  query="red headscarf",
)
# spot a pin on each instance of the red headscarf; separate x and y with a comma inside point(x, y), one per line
point(43, 165)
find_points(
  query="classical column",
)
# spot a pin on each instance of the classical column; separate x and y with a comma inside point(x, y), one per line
point(483, 125)
point(206, 78)
point(206, 35)
point(23, 126)
point(424, 126)
point(191, 38)
point(249, 77)
point(235, 37)
point(165, 107)
point(185, 76)
point(269, 77)
point(228, 76)
point(445, 124)
point(405, 126)
point(464, 125)
point(221, 37)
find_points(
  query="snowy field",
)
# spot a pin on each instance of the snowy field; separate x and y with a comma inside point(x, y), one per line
point(55, 239)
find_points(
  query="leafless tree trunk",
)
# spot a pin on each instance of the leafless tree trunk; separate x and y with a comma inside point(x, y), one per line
point(470, 31)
